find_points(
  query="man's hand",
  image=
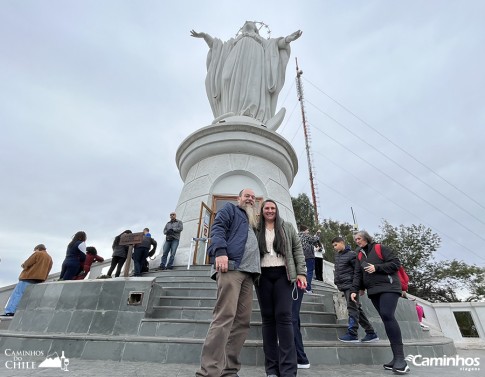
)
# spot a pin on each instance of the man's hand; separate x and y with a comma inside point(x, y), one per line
point(221, 263)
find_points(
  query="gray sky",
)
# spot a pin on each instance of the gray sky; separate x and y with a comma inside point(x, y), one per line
point(96, 97)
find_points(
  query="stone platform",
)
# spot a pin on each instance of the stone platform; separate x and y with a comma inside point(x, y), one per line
point(164, 316)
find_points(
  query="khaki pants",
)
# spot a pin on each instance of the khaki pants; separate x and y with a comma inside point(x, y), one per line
point(229, 327)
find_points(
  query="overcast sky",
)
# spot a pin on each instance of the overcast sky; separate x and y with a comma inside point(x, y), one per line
point(96, 97)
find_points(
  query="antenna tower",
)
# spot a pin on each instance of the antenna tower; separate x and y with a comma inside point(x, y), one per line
point(308, 139)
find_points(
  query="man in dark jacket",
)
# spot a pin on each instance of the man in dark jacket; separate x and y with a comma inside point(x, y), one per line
point(235, 256)
point(141, 251)
point(343, 278)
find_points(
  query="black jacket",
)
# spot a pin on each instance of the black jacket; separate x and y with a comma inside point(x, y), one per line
point(384, 279)
point(344, 269)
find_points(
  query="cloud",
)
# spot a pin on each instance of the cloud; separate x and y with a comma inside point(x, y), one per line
point(96, 97)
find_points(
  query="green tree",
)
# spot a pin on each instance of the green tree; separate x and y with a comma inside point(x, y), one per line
point(304, 211)
point(331, 229)
point(435, 281)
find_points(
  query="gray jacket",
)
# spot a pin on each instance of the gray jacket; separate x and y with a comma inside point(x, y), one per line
point(120, 251)
point(295, 260)
point(173, 229)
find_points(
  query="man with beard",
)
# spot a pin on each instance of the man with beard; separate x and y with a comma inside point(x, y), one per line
point(236, 263)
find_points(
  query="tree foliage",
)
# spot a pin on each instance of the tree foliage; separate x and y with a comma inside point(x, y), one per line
point(331, 229)
point(435, 281)
point(416, 245)
point(304, 212)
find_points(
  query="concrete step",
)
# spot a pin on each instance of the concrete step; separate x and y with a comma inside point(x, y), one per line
point(5, 322)
point(183, 312)
point(194, 328)
point(166, 349)
point(187, 301)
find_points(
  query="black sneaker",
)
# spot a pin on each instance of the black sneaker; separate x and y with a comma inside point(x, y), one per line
point(389, 365)
point(7, 315)
point(400, 367)
point(369, 338)
point(349, 338)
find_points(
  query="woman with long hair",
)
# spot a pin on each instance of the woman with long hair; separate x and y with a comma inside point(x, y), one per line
point(120, 252)
point(282, 269)
point(75, 256)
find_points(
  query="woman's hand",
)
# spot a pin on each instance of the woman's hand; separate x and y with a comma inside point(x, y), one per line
point(301, 281)
point(370, 268)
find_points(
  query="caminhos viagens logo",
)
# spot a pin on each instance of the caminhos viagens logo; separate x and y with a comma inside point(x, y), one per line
point(467, 364)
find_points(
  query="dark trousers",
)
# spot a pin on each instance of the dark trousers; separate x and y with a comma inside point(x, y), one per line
point(140, 254)
point(275, 302)
point(319, 269)
point(356, 316)
point(70, 268)
point(385, 304)
point(118, 263)
point(310, 266)
point(301, 356)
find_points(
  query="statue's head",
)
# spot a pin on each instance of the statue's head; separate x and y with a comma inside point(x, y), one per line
point(250, 26)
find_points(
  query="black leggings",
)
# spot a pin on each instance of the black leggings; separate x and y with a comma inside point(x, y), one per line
point(275, 303)
point(116, 261)
point(385, 304)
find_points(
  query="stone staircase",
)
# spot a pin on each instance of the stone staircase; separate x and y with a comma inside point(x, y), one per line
point(102, 319)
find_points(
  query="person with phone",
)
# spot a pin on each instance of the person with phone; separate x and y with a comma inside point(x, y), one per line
point(378, 275)
point(282, 268)
point(343, 278)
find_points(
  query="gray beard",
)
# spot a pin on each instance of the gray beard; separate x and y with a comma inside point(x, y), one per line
point(251, 213)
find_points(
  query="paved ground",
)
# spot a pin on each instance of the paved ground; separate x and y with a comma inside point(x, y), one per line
point(78, 368)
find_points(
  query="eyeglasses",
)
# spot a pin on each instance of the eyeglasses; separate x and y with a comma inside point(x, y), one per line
point(172, 214)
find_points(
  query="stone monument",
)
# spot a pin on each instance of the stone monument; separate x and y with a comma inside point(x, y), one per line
point(240, 148)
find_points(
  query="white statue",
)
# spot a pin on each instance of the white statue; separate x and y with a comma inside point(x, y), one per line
point(245, 74)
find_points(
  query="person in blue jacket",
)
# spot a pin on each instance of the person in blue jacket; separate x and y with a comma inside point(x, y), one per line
point(234, 254)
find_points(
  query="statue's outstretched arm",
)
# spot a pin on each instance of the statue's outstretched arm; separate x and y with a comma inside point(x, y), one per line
point(207, 38)
point(290, 38)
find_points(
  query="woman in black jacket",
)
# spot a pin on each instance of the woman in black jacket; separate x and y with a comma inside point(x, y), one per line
point(379, 277)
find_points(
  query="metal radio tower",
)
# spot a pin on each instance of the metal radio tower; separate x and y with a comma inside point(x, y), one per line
point(309, 155)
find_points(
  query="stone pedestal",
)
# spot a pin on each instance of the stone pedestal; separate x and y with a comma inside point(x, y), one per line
point(223, 159)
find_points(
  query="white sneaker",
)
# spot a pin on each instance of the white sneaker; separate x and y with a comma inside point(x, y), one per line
point(303, 366)
point(424, 327)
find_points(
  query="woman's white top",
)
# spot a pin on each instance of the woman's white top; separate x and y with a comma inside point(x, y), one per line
point(271, 259)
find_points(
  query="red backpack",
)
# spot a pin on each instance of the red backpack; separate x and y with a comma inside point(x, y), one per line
point(401, 272)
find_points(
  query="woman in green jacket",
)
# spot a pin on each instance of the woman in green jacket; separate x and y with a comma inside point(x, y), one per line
point(282, 265)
